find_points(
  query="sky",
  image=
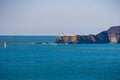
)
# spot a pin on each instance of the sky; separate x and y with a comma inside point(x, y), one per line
point(52, 17)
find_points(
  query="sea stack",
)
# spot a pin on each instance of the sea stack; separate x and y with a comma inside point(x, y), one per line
point(112, 35)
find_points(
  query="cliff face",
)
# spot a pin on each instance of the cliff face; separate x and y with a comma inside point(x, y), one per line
point(111, 35)
point(67, 39)
point(114, 34)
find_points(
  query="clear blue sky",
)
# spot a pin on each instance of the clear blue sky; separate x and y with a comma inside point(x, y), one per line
point(52, 17)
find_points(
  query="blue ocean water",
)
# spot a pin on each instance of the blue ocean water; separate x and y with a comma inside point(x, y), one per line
point(24, 61)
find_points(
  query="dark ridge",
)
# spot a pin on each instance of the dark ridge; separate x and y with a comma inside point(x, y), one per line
point(112, 35)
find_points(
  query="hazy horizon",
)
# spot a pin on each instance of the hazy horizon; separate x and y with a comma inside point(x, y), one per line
point(52, 17)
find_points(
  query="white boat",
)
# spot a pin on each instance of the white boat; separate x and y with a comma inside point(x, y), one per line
point(5, 45)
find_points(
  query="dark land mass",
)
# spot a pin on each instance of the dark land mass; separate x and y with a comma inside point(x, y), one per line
point(112, 35)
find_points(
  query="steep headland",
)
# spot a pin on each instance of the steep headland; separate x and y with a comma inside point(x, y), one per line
point(112, 35)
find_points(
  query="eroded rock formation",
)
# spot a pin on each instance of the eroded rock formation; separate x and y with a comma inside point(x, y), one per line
point(112, 35)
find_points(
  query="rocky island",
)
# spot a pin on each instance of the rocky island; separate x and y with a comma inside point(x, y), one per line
point(112, 35)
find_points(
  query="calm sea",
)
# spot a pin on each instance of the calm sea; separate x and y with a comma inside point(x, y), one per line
point(23, 60)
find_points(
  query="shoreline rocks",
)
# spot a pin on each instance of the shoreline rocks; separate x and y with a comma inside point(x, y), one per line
point(112, 35)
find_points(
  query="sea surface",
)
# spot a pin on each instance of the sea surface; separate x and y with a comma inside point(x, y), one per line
point(22, 59)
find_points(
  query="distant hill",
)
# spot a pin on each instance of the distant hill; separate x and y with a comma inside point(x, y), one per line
point(112, 35)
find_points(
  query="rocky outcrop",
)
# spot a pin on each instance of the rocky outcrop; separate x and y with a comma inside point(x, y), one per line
point(112, 35)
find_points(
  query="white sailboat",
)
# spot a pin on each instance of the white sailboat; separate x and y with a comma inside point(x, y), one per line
point(5, 45)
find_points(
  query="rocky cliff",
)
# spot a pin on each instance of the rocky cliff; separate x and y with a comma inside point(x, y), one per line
point(112, 35)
